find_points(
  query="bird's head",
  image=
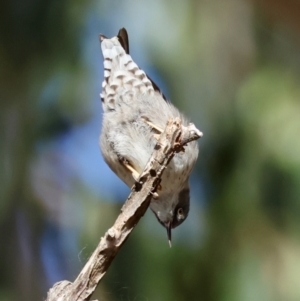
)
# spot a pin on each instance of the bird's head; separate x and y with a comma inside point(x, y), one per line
point(171, 209)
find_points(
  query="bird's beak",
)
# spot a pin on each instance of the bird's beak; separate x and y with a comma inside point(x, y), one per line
point(169, 232)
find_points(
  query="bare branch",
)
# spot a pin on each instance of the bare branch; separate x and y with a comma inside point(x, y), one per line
point(171, 141)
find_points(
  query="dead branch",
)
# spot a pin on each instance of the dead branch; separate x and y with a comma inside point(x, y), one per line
point(171, 141)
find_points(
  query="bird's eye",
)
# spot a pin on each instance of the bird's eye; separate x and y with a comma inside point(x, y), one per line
point(180, 214)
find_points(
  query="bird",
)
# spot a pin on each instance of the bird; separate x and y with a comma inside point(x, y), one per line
point(135, 113)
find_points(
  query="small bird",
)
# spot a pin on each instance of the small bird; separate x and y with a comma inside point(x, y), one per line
point(135, 114)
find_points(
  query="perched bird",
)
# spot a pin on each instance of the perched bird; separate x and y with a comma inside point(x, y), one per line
point(135, 113)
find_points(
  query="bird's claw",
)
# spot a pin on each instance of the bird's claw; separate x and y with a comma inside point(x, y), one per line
point(155, 127)
point(134, 173)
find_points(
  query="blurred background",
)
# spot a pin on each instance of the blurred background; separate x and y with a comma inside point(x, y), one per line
point(233, 67)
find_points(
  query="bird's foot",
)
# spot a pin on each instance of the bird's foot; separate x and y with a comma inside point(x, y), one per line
point(153, 126)
point(155, 195)
point(134, 173)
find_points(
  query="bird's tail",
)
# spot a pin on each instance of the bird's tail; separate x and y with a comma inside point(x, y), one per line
point(122, 76)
